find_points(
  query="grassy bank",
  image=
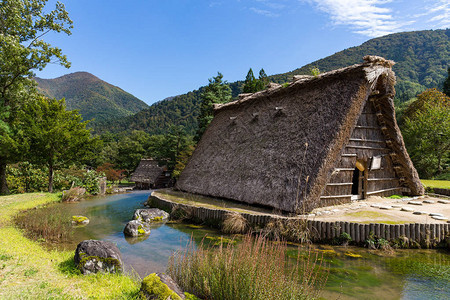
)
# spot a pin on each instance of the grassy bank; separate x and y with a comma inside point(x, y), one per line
point(440, 184)
point(28, 271)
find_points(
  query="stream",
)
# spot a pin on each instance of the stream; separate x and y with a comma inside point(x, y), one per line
point(404, 274)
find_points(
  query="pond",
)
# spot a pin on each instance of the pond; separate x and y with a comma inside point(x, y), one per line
point(405, 274)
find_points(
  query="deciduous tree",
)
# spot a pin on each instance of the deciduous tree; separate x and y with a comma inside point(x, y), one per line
point(56, 136)
point(23, 24)
point(427, 133)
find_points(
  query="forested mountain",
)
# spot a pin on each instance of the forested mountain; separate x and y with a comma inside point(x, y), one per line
point(93, 97)
point(421, 57)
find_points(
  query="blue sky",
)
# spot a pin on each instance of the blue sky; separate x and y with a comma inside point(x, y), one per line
point(156, 49)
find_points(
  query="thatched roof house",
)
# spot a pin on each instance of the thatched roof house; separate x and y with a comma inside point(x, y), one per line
point(321, 140)
point(149, 175)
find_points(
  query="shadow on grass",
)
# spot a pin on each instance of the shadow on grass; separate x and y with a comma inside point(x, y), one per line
point(69, 268)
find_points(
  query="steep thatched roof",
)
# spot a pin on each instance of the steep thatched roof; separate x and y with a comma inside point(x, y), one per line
point(147, 171)
point(267, 147)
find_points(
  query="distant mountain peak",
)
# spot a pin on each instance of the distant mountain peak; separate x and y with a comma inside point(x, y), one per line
point(93, 97)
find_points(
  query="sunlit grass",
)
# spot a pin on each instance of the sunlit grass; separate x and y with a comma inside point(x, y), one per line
point(440, 184)
point(28, 271)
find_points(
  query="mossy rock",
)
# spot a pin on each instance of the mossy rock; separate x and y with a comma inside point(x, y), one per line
point(92, 256)
point(149, 215)
point(160, 286)
point(136, 228)
point(80, 220)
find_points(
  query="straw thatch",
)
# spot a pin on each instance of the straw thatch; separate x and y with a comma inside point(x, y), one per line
point(283, 146)
point(146, 174)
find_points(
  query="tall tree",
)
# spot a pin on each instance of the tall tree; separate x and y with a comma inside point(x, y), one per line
point(250, 82)
point(446, 85)
point(57, 136)
point(427, 133)
point(23, 24)
point(262, 81)
point(217, 91)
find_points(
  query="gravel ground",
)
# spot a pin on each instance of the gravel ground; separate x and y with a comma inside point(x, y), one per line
point(379, 210)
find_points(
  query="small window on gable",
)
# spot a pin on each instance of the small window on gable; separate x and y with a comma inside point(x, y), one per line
point(375, 164)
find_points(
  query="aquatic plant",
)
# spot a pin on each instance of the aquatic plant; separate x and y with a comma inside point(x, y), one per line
point(293, 229)
point(51, 224)
point(253, 269)
point(234, 223)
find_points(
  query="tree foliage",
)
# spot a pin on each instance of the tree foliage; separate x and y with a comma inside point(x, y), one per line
point(253, 85)
point(446, 84)
point(57, 137)
point(23, 50)
point(216, 92)
point(427, 133)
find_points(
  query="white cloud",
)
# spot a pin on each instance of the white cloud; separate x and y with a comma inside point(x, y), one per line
point(264, 12)
point(438, 13)
point(368, 17)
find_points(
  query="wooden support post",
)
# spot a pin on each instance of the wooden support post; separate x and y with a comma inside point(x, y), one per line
point(357, 233)
point(418, 234)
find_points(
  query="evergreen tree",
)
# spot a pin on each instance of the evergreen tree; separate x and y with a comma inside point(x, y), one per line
point(217, 91)
point(262, 81)
point(446, 85)
point(250, 82)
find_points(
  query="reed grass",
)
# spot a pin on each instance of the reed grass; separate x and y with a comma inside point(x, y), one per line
point(51, 224)
point(253, 269)
point(234, 223)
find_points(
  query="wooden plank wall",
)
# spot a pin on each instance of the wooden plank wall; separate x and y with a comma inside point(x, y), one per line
point(367, 141)
point(428, 235)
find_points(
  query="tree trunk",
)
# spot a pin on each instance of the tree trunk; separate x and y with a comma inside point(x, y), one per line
point(50, 177)
point(3, 184)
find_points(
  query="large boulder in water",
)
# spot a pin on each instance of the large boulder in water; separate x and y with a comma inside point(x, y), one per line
point(136, 228)
point(160, 286)
point(94, 256)
point(150, 215)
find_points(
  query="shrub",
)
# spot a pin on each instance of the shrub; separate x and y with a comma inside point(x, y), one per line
point(234, 223)
point(252, 269)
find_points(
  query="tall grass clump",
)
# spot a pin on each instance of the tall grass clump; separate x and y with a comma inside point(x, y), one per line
point(51, 224)
point(234, 223)
point(253, 269)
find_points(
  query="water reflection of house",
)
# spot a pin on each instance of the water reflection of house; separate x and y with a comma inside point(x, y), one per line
point(149, 175)
point(321, 140)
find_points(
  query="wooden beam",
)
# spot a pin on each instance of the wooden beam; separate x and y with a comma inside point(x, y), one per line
point(382, 191)
point(366, 147)
point(337, 183)
point(382, 179)
point(369, 141)
point(367, 127)
point(349, 155)
point(335, 196)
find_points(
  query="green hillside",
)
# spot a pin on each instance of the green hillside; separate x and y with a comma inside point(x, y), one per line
point(93, 97)
point(421, 60)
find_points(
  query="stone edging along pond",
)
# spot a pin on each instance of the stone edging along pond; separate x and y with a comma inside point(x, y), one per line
point(408, 235)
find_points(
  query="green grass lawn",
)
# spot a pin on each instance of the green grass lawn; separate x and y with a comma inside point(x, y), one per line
point(441, 184)
point(29, 271)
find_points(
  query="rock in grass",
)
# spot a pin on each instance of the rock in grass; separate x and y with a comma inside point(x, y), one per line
point(160, 286)
point(136, 228)
point(94, 256)
point(80, 220)
point(150, 215)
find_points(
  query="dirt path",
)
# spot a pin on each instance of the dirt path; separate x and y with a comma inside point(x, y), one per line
point(386, 210)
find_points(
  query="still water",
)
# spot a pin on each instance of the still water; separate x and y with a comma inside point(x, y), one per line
point(405, 274)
